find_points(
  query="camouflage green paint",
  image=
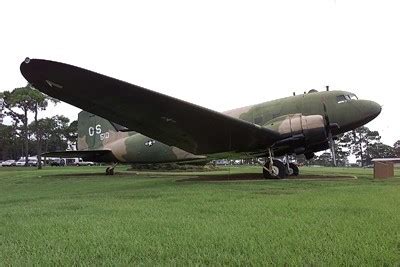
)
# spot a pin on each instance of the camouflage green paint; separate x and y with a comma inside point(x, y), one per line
point(96, 133)
point(349, 115)
point(287, 116)
point(187, 126)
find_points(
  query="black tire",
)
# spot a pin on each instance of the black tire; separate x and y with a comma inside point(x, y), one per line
point(294, 168)
point(109, 171)
point(266, 173)
point(279, 168)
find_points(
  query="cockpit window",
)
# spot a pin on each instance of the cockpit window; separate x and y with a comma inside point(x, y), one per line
point(353, 97)
point(341, 99)
point(345, 98)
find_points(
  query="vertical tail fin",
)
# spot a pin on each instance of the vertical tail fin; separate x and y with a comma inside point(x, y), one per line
point(95, 132)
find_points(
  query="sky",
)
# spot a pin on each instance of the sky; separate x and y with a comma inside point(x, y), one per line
point(217, 54)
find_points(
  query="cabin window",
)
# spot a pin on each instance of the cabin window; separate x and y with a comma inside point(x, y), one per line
point(341, 99)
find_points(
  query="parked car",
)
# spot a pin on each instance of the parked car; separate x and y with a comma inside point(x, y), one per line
point(84, 163)
point(8, 163)
point(33, 162)
point(20, 162)
point(57, 162)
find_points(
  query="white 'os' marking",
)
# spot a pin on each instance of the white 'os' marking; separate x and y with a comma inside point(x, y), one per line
point(91, 131)
point(97, 130)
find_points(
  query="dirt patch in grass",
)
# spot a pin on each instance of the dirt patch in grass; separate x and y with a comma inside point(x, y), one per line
point(258, 176)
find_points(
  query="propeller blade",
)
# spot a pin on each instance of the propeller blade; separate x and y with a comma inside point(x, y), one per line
point(332, 145)
point(326, 117)
point(329, 127)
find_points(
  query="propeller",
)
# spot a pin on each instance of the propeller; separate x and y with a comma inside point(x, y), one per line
point(329, 126)
point(355, 139)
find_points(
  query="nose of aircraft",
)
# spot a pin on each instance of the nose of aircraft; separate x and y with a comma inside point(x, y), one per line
point(370, 109)
point(357, 113)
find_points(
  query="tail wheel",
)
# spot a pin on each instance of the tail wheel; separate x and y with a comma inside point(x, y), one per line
point(109, 171)
point(277, 170)
point(294, 170)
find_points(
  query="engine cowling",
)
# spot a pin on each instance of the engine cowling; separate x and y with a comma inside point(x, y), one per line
point(299, 132)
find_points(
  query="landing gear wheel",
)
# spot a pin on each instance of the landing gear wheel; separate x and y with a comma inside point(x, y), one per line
point(293, 170)
point(277, 170)
point(109, 171)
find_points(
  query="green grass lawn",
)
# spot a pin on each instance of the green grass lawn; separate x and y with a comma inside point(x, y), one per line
point(77, 215)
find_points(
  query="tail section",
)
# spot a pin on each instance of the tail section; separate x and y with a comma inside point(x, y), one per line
point(102, 140)
point(95, 132)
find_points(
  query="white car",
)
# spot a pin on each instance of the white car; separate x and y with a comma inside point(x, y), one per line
point(34, 162)
point(8, 163)
point(20, 163)
point(84, 163)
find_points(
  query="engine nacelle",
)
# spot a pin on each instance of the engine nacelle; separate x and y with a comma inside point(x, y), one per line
point(299, 132)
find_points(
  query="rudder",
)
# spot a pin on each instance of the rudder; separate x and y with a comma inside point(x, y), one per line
point(94, 132)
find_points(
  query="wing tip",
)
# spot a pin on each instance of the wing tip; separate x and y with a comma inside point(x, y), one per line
point(24, 68)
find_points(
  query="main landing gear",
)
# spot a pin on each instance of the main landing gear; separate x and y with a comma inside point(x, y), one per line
point(276, 169)
point(110, 170)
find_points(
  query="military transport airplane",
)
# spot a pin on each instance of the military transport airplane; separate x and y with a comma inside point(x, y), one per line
point(123, 122)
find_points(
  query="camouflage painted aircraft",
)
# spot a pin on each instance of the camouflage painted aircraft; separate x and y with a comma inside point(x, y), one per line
point(123, 122)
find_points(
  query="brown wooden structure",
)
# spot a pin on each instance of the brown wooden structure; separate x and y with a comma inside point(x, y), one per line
point(384, 168)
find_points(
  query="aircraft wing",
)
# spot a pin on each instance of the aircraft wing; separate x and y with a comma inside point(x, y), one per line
point(169, 120)
point(95, 155)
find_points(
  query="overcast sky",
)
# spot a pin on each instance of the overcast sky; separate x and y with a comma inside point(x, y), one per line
point(218, 54)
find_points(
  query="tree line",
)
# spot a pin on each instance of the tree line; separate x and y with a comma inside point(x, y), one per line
point(362, 143)
point(23, 137)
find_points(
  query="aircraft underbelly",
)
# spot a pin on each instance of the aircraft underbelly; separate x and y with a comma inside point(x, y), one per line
point(142, 149)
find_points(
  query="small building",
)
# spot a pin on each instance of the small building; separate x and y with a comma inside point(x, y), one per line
point(384, 168)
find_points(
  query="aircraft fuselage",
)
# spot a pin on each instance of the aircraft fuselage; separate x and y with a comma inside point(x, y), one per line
point(343, 108)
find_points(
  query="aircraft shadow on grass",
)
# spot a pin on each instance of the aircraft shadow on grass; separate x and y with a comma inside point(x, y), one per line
point(256, 177)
